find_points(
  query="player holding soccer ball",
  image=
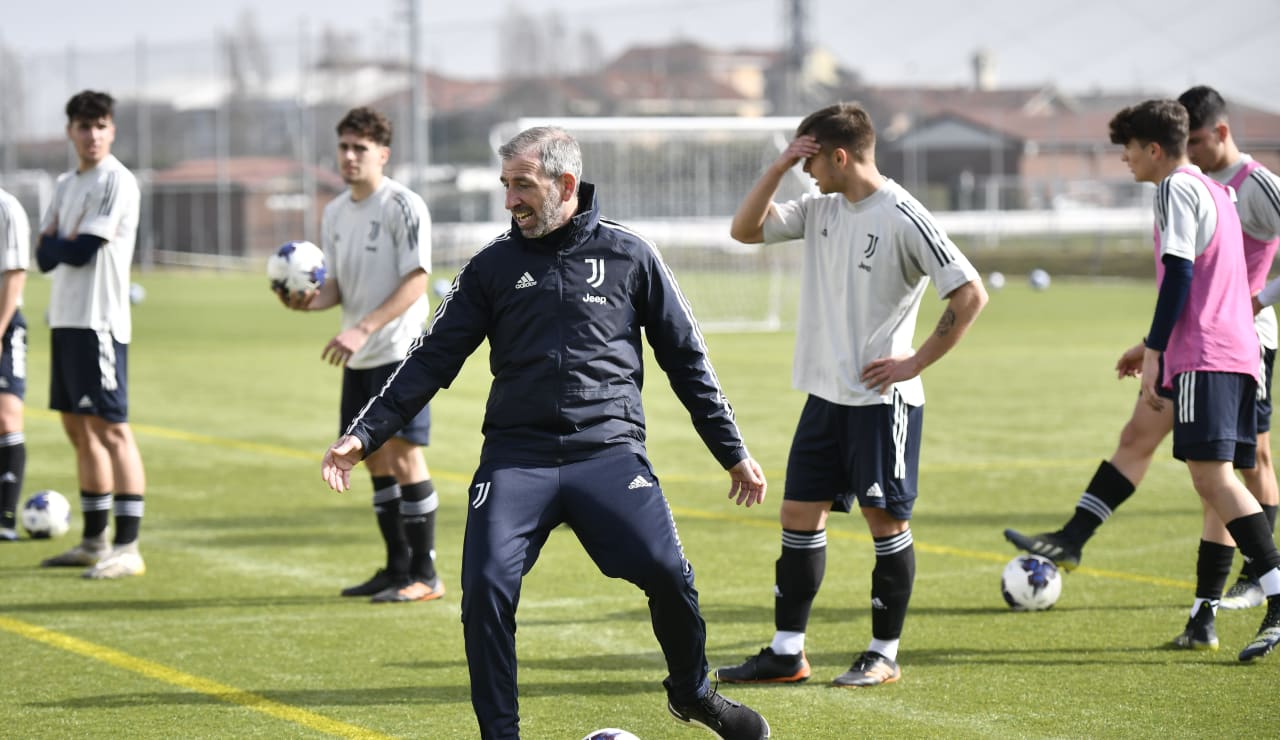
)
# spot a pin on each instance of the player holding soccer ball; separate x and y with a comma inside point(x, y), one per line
point(87, 239)
point(15, 250)
point(870, 251)
point(376, 238)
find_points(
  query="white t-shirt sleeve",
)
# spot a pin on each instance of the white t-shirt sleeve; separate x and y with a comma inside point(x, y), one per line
point(15, 235)
point(1183, 206)
point(1261, 213)
point(109, 202)
point(932, 250)
point(786, 220)
point(410, 225)
point(328, 232)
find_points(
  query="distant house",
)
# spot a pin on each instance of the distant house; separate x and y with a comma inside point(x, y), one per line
point(964, 148)
point(264, 202)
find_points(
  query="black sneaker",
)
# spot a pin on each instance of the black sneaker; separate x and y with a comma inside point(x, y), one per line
point(728, 719)
point(381, 581)
point(869, 669)
point(767, 667)
point(1199, 633)
point(1268, 634)
point(1052, 545)
point(1245, 593)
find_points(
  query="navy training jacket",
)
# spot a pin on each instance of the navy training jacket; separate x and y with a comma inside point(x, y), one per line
point(563, 315)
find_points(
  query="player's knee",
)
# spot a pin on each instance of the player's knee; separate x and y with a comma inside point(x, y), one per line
point(1137, 440)
point(1262, 459)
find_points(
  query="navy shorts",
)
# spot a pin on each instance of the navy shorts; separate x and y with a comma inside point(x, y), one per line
point(1264, 390)
point(89, 371)
point(1215, 418)
point(868, 453)
point(359, 386)
point(13, 357)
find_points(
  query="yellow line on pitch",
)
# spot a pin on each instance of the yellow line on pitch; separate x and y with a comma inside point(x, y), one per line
point(938, 549)
point(277, 450)
point(213, 689)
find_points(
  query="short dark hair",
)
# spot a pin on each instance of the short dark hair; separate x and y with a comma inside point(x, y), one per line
point(90, 105)
point(843, 125)
point(1204, 105)
point(1163, 122)
point(366, 123)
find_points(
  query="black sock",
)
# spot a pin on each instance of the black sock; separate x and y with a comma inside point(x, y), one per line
point(1108, 489)
point(96, 510)
point(1246, 570)
point(128, 509)
point(1213, 565)
point(891, 583)
point(13, 462)
point(418, 504)
point(1253, 536)
point(386, 506)
point(797, 576)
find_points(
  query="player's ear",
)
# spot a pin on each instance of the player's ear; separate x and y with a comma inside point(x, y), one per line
point(840, 157)
point(568, 186)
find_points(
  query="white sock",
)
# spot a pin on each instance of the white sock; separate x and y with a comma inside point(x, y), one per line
point(1196, 606)
point(1270, 582)
point(788, 643)
point(887, 648)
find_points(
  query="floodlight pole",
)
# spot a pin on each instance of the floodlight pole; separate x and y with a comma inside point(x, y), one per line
point(419, 140)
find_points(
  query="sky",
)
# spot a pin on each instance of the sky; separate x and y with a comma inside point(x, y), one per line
point(1157, 46)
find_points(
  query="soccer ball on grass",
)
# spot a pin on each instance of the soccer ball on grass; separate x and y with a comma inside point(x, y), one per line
point(296, 267)
point(610, 733)
point(1031, 583)
point(46, 514)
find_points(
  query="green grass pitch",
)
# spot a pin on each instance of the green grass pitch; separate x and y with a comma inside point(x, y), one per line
point(237, 630)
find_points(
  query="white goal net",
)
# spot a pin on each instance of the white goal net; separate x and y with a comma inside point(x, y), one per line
point(678, 181)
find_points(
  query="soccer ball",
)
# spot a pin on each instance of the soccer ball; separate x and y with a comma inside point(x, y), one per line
point(610, 733)
point(297, 267)
point(1031, 583)
point(46, 514)
point(137, 293)
point(996, 280)
point(441, 287)
point(1039, 279)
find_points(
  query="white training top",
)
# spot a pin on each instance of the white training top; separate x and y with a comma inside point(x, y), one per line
point(1258, 203)
point(1185, 215)
point(369, 247)
point(866, 267)
point(103, 201)
point(15, 236)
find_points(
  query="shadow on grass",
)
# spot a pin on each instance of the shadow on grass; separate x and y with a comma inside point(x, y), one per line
point(360, 697)
point(353, 697)
point(157, 605)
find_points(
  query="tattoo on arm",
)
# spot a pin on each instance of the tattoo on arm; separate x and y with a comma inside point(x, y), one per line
point(946, 323)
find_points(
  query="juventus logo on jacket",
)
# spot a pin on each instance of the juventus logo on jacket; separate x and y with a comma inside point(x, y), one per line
point(597, 272)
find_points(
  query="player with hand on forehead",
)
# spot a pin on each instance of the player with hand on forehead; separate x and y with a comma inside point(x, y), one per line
point(870, 252)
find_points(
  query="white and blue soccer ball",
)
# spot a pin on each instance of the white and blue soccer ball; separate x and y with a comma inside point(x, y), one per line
point(137, 293)
point(610, 733)
point(296, 267)
point(1039, 279)
point(46, 514)
point(441, 287)
point(1031, 583)
point(995, 280)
